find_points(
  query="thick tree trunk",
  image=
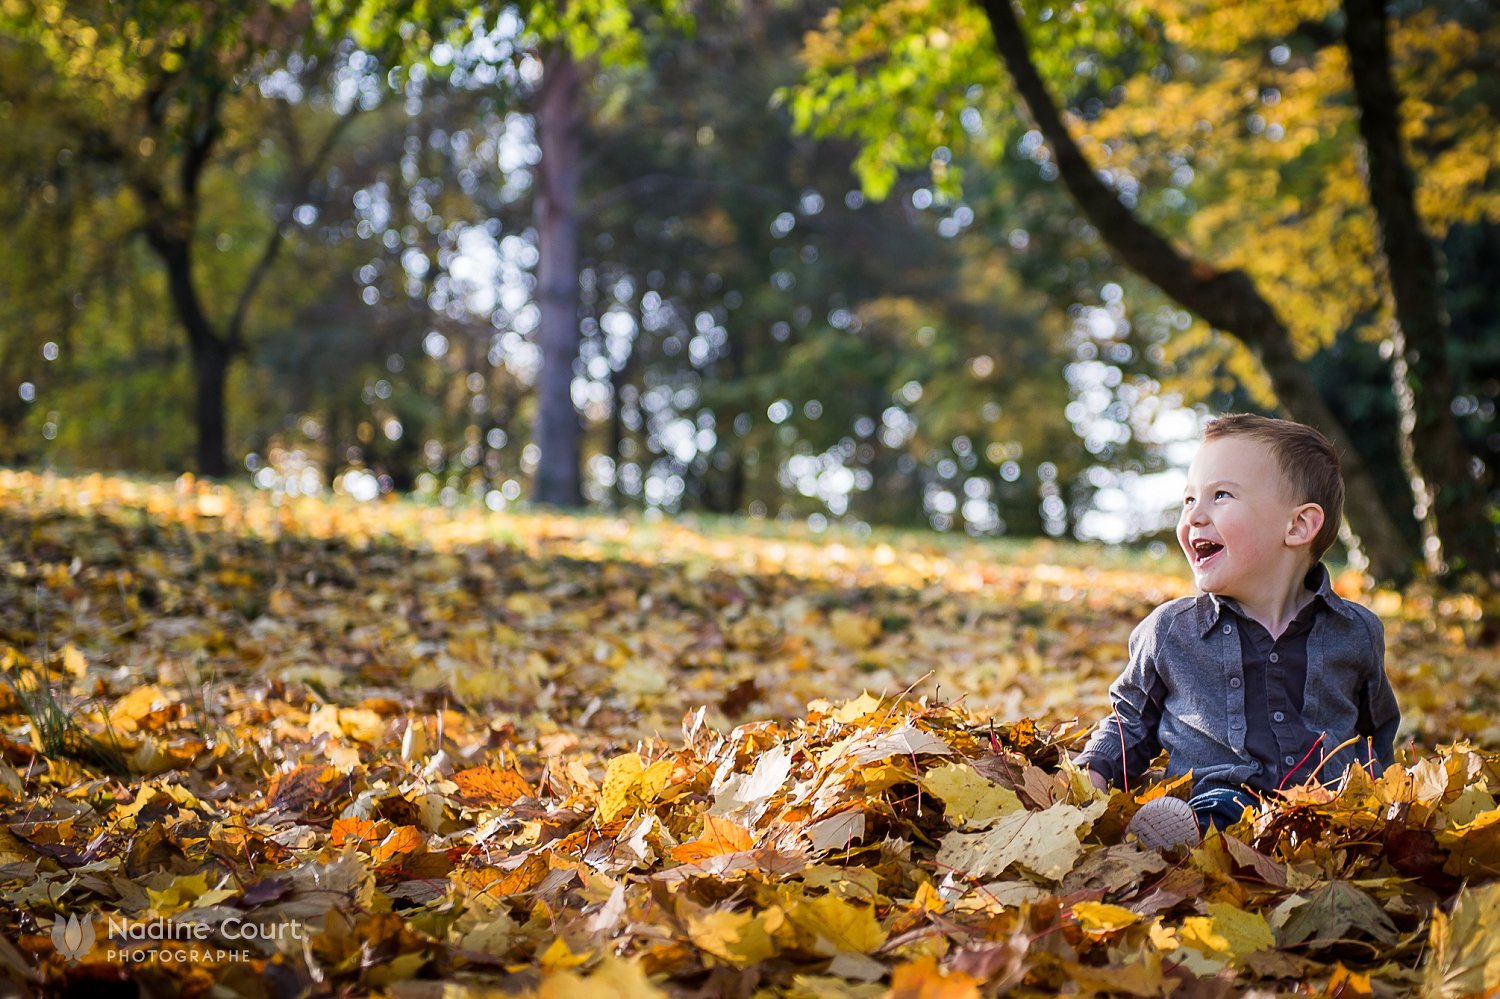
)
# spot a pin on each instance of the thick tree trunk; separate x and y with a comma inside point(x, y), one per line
point(1451, 501)
point(1227, 300)
point(558, 433)
point(210, 371)
point(13, 409)
point(211, 353)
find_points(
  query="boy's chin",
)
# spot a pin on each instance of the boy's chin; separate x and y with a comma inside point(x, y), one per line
point(1214, 583)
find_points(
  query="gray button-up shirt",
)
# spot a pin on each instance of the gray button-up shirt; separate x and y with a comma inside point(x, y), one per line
point(1275, 679)
point(1183, 690)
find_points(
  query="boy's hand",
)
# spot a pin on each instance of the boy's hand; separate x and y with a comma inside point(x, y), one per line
point(1098, 780)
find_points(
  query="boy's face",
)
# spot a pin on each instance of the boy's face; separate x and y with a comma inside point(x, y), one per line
point(1237, 513)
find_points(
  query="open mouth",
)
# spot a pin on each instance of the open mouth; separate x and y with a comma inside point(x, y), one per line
point(1204, 550)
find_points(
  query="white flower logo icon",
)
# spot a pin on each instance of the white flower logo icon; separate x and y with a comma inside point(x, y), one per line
point(73, 938)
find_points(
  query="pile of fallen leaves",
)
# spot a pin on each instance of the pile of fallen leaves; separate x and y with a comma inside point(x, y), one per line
point(270, 747)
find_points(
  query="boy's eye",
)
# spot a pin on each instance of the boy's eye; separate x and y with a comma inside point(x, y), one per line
point(1221, 492)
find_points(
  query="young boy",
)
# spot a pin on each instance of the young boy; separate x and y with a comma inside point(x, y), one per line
point(1268, 677)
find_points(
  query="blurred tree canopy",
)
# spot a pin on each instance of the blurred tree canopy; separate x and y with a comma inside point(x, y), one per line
point(151, 120)
point(321, 230)
point(1240, 134)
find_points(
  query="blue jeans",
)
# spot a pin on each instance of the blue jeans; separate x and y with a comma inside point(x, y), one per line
point(1220, 806)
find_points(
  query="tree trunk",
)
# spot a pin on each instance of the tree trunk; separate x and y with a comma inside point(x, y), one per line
point(210, 372)
point(558, 433)
point(14, 447)
point(1451, 501)
point(211, 353)
point(734, 484)
point(615, 443)
point(1227, 300)
point(334, 455)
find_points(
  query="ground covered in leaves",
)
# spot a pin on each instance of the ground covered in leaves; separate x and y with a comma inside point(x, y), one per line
point(275, 747)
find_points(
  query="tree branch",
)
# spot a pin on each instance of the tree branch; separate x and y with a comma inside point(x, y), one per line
point(277, 239)
point(1228, 300)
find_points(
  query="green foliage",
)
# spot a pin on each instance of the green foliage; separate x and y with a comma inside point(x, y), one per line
point(909, 78)
point(610, 30)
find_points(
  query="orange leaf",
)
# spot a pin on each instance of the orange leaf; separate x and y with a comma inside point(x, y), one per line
point(922, 979)
point(498, 882)
point(720, 836)
point(403, 840)
point(363, 833)
point(486, 784)
point(426, 866)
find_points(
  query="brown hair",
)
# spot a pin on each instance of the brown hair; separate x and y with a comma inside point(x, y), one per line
point(1309, 464)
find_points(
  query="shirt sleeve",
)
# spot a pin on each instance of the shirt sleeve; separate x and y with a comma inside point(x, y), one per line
point(1125, 741)
point(1379, 715)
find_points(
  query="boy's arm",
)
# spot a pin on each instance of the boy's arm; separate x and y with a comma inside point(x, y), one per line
point(1125, 741)
point(1379, 715)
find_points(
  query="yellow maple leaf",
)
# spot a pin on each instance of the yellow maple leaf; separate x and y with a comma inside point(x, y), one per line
point(621, 776)
point(1228, 932)
point(613, 979)
point(852, 711)
point(844, 925)
point(559, 956)
point(140, 703)
point(1101, 917)
point(885, 775)
point(739, 938)
point(968, 797)
point(179, 894)
point(362, 725)
point(74, 661)
point(1474, 847)
point(928, 898)
point(1465, 945)
point(654, 779)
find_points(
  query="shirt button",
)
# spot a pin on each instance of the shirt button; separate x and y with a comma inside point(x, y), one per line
point(1275, 658)
point(1291, 761)
point(1278, 716)
point(1236, 724)
point(1234, 681)
point(1229, 629)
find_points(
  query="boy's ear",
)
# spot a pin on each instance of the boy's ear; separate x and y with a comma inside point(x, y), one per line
point(1307, 521)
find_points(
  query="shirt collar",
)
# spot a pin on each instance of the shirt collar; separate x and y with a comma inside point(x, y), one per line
point(1212, 607)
